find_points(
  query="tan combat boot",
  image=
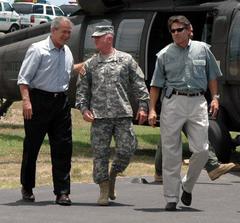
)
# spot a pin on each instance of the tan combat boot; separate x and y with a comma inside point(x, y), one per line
point(220, 170)
point(112, 180)
point(104, 193)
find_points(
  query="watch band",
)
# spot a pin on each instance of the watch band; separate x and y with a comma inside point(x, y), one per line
point(216, 96)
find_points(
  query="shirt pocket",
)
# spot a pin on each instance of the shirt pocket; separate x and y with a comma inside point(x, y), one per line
point(97, 76)
point(118, 73)
point(113, 74)
point(173, 67)
point(123, 79)
point(199, 68)
point(201, 62)
point(171, 63)
point(174, 71)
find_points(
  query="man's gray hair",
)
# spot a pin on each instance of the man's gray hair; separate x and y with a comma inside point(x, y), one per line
point(57, 20)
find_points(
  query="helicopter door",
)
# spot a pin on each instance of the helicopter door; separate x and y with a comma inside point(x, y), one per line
point(233, 59)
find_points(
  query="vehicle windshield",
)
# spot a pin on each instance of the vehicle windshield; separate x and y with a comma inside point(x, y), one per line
point(7, 7)
point(58, 11)
point(23, 8)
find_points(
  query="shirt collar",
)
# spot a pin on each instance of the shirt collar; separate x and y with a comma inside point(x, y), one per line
point(188, 45)
point(52, 46)
point(111, 58)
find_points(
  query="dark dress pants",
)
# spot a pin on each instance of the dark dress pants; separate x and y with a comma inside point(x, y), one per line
point(52, 116)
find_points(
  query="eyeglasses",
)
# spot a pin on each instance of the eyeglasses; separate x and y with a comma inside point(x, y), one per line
point(178, 30)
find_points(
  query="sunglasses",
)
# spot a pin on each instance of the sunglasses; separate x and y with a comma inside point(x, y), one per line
point(178, 30)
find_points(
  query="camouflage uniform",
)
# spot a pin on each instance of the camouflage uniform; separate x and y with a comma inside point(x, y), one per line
point(105, 91)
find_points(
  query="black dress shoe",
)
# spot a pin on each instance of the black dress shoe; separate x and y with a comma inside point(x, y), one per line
point(171, 206)
point(27, 195)
point(63, 199)
point(186, 198)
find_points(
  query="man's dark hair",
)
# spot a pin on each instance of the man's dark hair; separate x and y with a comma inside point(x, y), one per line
point(179, 19)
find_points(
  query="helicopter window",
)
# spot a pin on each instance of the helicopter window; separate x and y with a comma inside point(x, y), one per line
point(234, 47)
point(89, 47)
point(207, 30)
point(128, 36)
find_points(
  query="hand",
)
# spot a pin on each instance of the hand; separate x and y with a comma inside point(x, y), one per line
point(141, 116)
point(214, 107)
point(152, 118)
point(27, 109)
point(80, 68)
point(88, 116)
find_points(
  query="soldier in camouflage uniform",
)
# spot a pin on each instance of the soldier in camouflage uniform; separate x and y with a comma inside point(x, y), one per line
point(103, 98)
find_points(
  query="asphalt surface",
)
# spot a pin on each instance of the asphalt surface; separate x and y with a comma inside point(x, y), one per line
point(138, 201)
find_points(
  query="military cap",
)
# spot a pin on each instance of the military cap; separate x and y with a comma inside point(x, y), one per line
point(102, 30)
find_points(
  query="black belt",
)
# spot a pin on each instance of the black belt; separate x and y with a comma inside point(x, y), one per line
point(189, 94)
point(47, 93)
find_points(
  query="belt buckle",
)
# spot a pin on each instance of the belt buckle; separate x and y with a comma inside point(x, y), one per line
point(55, 95)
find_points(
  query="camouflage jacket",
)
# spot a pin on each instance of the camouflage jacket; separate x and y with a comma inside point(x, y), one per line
point(108, 84)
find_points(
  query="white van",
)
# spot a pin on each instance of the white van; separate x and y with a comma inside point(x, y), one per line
point(9, 19)
point(43, 13)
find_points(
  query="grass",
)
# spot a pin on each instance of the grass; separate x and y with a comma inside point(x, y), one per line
point(11, 140)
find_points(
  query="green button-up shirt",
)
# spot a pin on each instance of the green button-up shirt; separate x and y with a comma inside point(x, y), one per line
point(186, 69)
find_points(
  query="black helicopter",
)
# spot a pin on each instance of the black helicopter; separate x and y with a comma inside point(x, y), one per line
point(140, 29)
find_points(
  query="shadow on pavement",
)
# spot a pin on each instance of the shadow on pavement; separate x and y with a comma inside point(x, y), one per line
point(47, 203)
point(179, 209)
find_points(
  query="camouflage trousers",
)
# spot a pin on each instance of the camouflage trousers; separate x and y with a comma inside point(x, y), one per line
point(102, 131)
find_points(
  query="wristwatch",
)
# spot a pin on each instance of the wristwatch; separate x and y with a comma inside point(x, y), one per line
point(216, 96)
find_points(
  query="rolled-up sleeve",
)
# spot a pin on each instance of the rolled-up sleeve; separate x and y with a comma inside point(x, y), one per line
point(158, 78)
point(29, 66)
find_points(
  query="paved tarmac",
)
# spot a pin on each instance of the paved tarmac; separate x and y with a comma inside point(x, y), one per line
point(213, 202)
